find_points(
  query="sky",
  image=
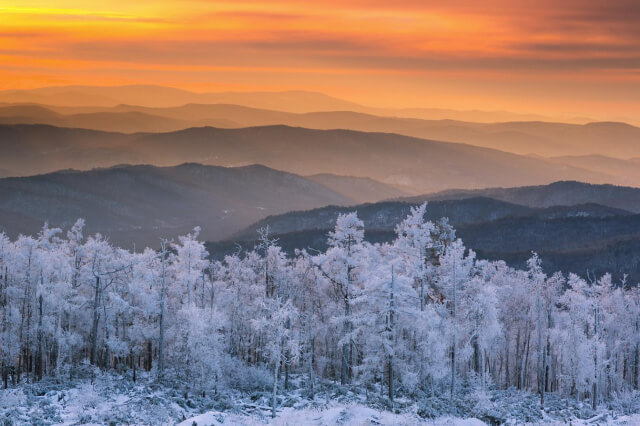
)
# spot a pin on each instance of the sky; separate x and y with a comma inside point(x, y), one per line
point(575, 57)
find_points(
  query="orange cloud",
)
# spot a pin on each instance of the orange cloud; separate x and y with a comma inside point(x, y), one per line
point(539, 56)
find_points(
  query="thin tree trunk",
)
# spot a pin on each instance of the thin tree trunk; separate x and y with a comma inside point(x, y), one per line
point(594, 402)
point(274, 396)
point(506, 364)
point(94, 327)
point(162, 297)
point(311, 374)
point(391, 332)
point(455, 338)
point(38, 366)
point(540, 348)
point(287, 360)
point(344, 370)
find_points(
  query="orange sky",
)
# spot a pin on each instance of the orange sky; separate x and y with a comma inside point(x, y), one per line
point(542, 56)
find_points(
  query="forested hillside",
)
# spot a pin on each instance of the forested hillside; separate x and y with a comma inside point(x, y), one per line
point(583, 239)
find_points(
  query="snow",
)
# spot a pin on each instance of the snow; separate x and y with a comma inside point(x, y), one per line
point(341, 414)
point(335, 414)
point(359, 415)
point(105, 399)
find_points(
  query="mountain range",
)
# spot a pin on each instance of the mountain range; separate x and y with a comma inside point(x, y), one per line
point(582, 238)
point(566, 193)
point(410, 164)
point(520, 137)
point(291, 101)
point(572, 225)
point(140, 204)
point(67, 152)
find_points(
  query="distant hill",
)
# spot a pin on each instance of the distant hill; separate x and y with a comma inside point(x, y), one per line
point(521, 137)
point(33, 149)
point(565, 193)
point(140, 204)
point(159, 96)
point(291, 101)
point(615, 250)
point(415, 165)
point(113, 121)
point(386, 215)
point(569, 238)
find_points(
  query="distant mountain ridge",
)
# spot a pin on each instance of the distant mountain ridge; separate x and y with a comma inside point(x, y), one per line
point(549, 139)
point(292, 101)
point(386, 215)
point(410, 164)
point(139, 204)
point(577, 238)
point(563, 193)
point(591, 245)
point(160, 96)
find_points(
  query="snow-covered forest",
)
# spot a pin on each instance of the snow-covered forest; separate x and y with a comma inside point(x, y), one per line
point(407, 321)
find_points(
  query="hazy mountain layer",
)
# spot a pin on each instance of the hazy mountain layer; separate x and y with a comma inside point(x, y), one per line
point(416, 165)
point(293, 101)
point(139, 204)
point(159, 96)
point(524, 137)
point(555, 194)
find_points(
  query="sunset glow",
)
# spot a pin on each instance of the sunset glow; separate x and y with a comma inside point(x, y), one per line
point(574, 57)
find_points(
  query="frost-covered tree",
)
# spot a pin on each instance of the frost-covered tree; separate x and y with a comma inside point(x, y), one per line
point(190, 262)
point(455, 271)
point(418, 315)
point(341, 266)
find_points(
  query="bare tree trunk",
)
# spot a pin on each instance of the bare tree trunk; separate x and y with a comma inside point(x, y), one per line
point(311, 374)
point(189, 281)
point(455, 338)
point(287, 360)
point(594, 401)
point(540, 348)
point(133, 364)
point(94, 327)
point(523, 366)
point(517, 364)
point(276, 373)
point(507, 375)
point(635, 365)
point(107, 353)
point(162, 297)
point(391, 332)
point(344, 369)
point(38, 366)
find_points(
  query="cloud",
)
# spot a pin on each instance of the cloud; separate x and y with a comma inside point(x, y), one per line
point(405, 42)
point(77, 14)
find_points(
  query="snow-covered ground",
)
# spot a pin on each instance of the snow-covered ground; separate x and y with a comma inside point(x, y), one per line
point(334, 414)
point(340, 414)
point(95, 398)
